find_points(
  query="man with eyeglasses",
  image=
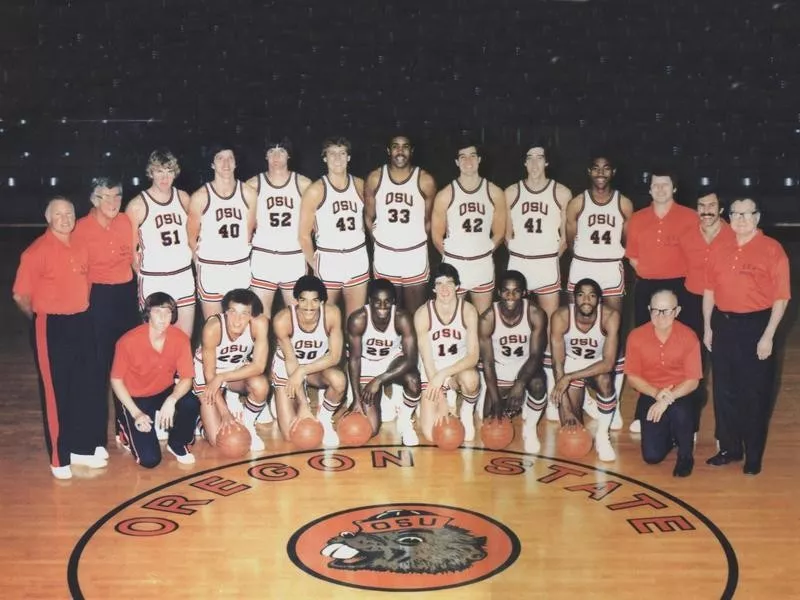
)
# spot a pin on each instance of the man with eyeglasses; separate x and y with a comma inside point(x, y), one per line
point(662, 362)
point(696, 245)
point(745, 298)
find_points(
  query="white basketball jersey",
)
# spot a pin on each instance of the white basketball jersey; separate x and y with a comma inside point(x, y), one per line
point(586, 348)
point(469, 222)
point(380, 345)
point(339, 222)
point(536, 219)
point(231, 354)
point(448, 341)
point(163, 242)
point(399, 212)
point(308, 345)
point(598, 235)
point(511, 343)
point(223, 228)
point(277, 216)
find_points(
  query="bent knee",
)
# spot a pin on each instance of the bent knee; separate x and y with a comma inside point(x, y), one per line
point(469, 382)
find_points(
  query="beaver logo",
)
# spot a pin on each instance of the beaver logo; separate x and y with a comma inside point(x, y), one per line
point(404, 547)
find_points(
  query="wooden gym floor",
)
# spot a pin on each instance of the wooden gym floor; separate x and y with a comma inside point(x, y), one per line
point(258, 528)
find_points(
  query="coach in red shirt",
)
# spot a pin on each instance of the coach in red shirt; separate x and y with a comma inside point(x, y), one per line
point(146, 361)
point(745, 298)
point(52, 289)
point(662, 362)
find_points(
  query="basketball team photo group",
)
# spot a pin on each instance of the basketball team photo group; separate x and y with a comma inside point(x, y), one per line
point(395, 308)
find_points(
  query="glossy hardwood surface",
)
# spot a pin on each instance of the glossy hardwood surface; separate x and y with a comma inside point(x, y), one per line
point(235, 546)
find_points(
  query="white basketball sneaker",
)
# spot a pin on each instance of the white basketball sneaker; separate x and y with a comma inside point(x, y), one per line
point(605, 452)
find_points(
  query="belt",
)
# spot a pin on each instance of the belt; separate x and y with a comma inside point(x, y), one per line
point(743, 316)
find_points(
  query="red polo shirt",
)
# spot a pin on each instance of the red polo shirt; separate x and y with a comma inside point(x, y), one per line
point(748, 278)
point(110, 248)
point(145, 371)
point(663, 364)
point(54, 275)
point(655, 241)
point(696, 252)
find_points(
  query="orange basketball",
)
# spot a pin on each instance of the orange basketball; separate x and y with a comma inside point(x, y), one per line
point(234, 441)
point(354, 429)
point(496, 434)
point(448, 434)
point(573, 442)
point(307, 434)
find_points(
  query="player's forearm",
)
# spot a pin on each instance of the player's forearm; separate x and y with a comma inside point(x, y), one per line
point(778, 310)
point(25, 305)
point(601, 367)
point(182, 387)
point(529, 369)
point(642, 386)
point(307, 246)
point(354, 370)
point(708, 308)
point(125, 398)
point(398, 371)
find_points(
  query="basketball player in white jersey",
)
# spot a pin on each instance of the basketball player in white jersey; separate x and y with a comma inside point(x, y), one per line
point(595, 226)
point(447, 335)
point(230, 362)
point(535, 233)
point(221, 222)
point(467, 225)
point(513, 336)
point(332, 210)
point(398, 199)
point(277, 260)
point(310, 341)
point(383, 350)
point(163, 260)
point(584, 337)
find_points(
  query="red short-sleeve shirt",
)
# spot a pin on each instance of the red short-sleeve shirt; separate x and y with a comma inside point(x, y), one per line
point(663, 364)
point(110, 248)
point(655, 241)
point(144, 370)
point(750, 277)
point(54, 275)
point(696, 252)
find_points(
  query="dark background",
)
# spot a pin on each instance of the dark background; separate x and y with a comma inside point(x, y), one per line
point(709, 89)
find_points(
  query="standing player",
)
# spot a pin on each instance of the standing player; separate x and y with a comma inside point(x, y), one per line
point(535, 229)
point(231, 361)
point(309, 334)
point(447, 333)
point(398, 199)
point(52, 289)
point(145, 363)
point(159, 217)
point(383, 350)
point(584, 337)
point(595, 225)
point(471, 211)
point(277, 260)
point(333, 210)
point(513, 338)
point(221, 222)
point(112, 302)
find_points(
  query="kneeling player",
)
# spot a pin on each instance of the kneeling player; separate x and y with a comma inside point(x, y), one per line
point(383, 350)
point(513, 336)
point(447, 332)
point(584, 338)
point(142, 377)
point(310, 341)
point(230, 362)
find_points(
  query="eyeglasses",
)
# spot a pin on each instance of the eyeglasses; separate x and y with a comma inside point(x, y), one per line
point(742, 215)
point(662, 312)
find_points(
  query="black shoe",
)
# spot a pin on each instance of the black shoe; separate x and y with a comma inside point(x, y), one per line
point(752, 468)
point(723, 457)
point(683, 468)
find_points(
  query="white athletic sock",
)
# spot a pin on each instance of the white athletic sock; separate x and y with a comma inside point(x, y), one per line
point(602, 442)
